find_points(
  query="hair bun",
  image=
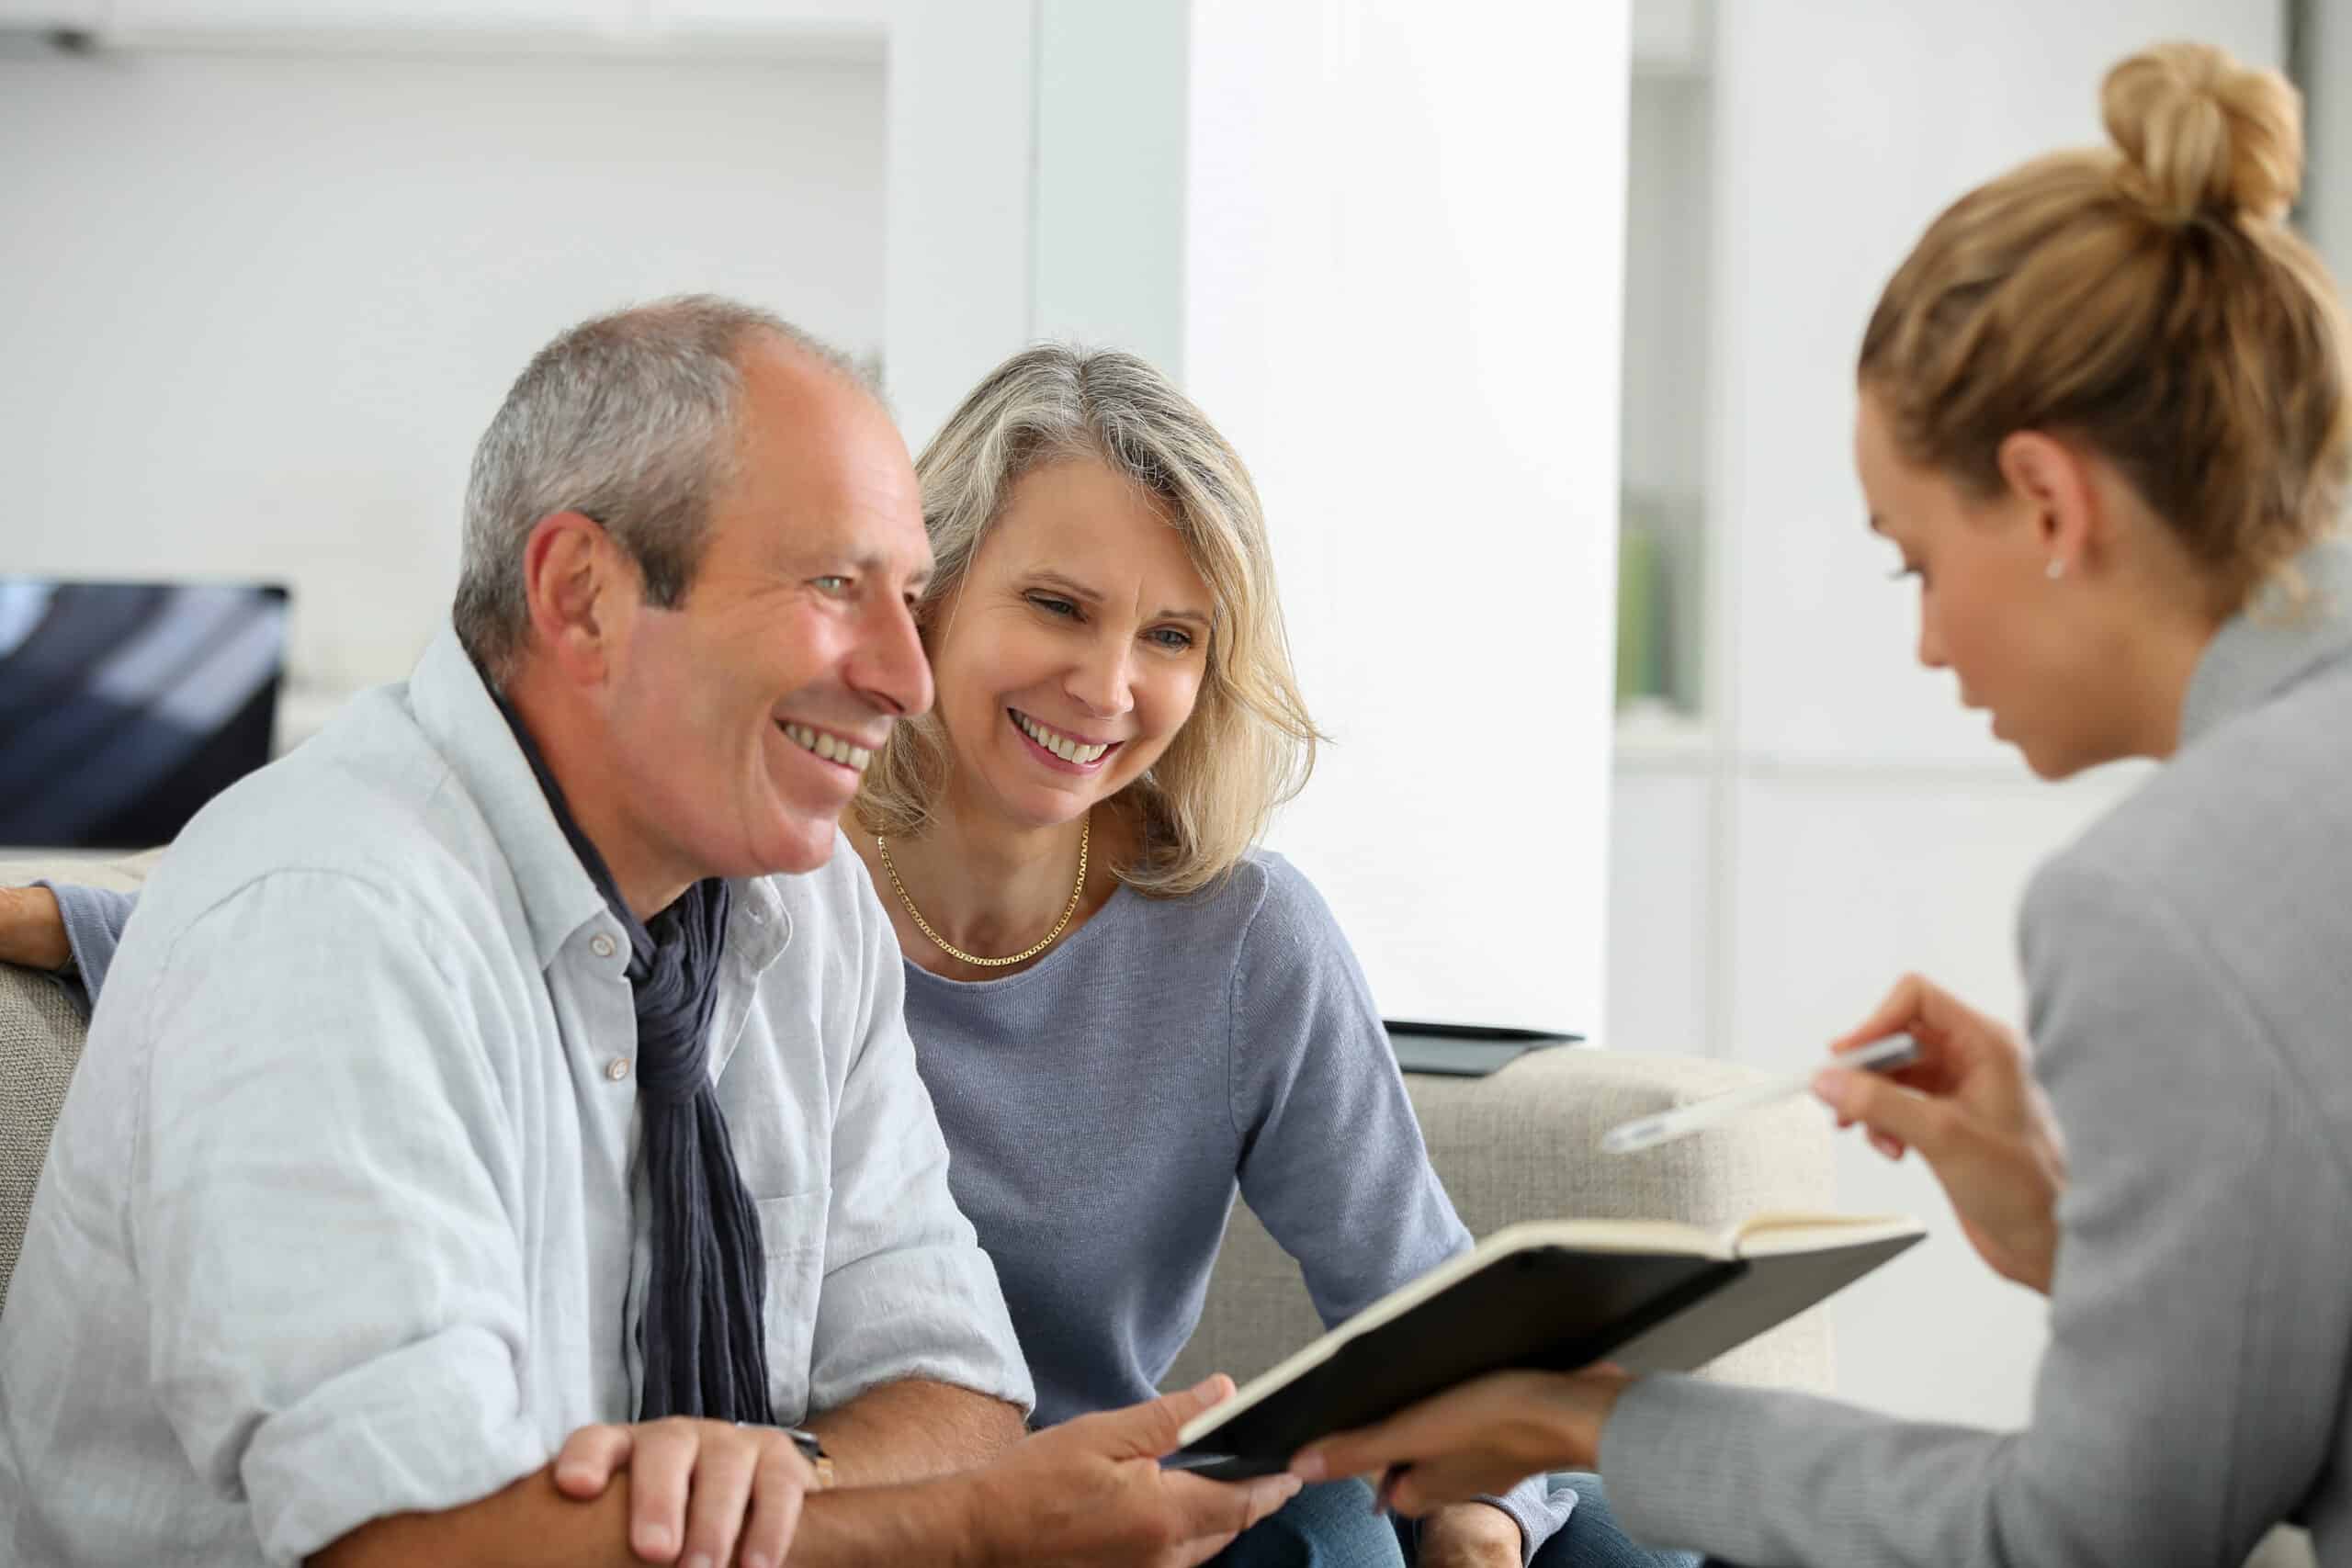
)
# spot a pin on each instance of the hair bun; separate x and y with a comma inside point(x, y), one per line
point(2201, 133)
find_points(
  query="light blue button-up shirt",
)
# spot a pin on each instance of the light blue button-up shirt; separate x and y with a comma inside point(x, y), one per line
point(344, 1214)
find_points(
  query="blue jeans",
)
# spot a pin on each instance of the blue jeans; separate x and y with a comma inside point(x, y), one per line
point(1591, 1539)
point(1326, 1526)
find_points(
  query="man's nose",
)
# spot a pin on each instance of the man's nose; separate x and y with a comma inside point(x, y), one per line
point(889, 665)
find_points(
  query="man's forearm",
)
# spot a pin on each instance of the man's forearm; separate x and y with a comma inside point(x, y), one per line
point(523, 1525)
point(912, 1429)
point(531, 1525)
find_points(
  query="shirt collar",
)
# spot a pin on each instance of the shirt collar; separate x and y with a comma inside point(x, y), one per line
point(454, 706)
point(2292, 626)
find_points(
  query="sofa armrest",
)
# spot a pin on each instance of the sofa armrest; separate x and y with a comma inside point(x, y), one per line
point(1525, 1144)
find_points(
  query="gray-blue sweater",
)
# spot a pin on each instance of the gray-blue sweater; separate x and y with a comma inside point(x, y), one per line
point(1104, 1106)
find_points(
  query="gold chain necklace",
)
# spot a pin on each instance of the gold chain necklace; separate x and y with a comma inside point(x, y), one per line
point(1085, 830)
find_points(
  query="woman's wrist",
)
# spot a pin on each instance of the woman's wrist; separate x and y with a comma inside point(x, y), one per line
point(32, 929)
point(1580, 1408)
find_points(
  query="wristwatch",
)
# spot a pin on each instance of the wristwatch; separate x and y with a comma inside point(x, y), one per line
point(813, 1451)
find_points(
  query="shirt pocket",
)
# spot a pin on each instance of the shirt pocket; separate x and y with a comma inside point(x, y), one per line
point(792, 1240)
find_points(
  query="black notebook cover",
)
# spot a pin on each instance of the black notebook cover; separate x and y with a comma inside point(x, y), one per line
point(1542, 1307)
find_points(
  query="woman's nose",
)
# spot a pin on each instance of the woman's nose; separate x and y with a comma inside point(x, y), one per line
point(1102, 682)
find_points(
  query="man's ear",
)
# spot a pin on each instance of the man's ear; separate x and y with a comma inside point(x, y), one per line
point(2054, 481)
point(578, 588)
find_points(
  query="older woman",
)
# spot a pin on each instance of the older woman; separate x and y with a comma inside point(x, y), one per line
point(2104, 419)
point(1124, 1012)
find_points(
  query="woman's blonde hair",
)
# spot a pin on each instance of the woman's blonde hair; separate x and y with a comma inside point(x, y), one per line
point(2148, 299)
point(1249, 744)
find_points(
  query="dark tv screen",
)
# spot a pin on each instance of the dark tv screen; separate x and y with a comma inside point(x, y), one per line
point(124, 707)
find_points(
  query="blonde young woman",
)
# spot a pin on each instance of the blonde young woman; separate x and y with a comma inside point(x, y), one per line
point(1124, 1012)
point(2103, 419)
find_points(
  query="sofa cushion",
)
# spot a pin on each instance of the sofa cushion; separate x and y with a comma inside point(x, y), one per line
point(42, 1030)
point(41, 1039)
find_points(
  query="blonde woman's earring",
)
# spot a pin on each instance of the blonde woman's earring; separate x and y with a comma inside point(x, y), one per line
point(2057, 569)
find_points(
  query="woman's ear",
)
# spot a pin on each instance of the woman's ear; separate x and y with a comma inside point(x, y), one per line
point(578, 591)
point(2054, 481)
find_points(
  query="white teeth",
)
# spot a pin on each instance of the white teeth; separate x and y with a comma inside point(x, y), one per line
point(827, 747)
point(1060, 745)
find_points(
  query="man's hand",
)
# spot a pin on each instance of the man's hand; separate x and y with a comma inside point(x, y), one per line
point(1470, 1535)
point(699, 1490)
point(1483, 1438)
point(32, 930)
point(1090, 1492)
point(1972, 1110)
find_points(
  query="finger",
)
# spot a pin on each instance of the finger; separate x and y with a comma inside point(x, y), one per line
point(1433, 1485)
point(1261, 1497)
point(589, 1460)
point(661, 1477)
point(1150, 1429)
point(721, 1493)
point(1209, 1510)
point(1892, 1148)
point(1901, 1009)
point(1888, 1109)
point(1372, 1450)
point(783, 1479)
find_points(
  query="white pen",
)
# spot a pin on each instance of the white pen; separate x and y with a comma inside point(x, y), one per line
point(1647, 1132)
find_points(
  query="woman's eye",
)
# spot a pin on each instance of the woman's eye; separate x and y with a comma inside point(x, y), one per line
point(1172, 639)
point(1052, 606)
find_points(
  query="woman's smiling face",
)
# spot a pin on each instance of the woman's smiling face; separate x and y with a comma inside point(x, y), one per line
point(1073, 650)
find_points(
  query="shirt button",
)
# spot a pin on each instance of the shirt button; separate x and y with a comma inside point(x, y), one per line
point(617, 1068)
point(603, 946)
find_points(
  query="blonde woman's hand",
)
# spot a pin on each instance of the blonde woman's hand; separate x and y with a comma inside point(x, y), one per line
point(32, 929)
point(1971, 1109)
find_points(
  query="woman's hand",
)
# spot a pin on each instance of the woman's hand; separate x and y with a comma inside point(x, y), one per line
point(32, 930)
point(1470, 1535)
point(1479, 1439)
point(1971, 1109)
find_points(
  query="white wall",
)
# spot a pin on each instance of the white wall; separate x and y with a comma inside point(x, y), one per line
point(1109, 246)
point(2326, 206)
point(260, 303)
point(1855, 823)
point(1404, 258)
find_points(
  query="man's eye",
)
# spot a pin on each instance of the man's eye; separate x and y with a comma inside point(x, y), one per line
point(835, 586)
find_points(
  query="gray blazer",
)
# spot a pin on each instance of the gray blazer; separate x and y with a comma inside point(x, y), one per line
point(2188, 962)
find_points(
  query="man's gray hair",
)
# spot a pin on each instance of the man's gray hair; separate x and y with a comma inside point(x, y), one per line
point(630, 419)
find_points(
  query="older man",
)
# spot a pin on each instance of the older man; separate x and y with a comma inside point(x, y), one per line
point(468, 1083)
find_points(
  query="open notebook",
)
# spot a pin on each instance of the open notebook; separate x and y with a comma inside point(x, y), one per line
point(1557, 1294)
